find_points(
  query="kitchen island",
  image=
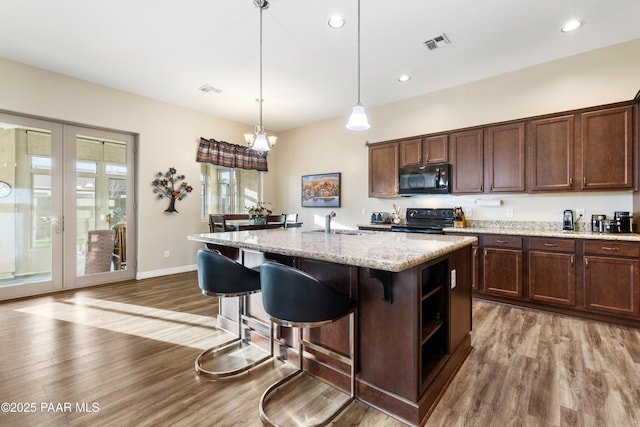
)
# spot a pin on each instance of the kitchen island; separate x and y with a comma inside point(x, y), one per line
point(414, 308)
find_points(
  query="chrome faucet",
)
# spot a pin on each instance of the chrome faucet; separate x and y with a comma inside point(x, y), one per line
point(327, 221)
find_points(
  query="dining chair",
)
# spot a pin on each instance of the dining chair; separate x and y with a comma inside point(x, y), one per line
point(274, 220)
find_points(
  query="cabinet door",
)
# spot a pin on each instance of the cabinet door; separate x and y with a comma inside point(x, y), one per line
point(611, 285)
point(467, 159)
point(411, 152)
point(607, 149)
point(436, 149)
point(552, 277)
point(503, 272)
point(383, 170)
point(551, 155)
point(505, 158)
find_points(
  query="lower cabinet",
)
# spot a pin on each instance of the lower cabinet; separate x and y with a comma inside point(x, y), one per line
point(552, 271)
point(503, 266)
point(598, 279)
point(611, 277)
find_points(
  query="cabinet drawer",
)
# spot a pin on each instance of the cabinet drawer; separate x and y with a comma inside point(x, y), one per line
point(554, 245)
point(611, 248)
point(513, 242)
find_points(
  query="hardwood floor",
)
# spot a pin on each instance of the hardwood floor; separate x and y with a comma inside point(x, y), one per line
point(123, 355)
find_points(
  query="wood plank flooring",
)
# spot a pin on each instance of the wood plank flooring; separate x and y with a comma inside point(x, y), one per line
point(123, 354)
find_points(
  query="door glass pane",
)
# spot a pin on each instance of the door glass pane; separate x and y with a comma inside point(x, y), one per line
point(27, 222)
point(101, 206)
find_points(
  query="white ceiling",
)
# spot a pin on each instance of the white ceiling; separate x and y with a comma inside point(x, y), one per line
point(167, 49)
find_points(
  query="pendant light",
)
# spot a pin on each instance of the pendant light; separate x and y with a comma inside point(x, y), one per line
point(260, 142)
point(358, 119)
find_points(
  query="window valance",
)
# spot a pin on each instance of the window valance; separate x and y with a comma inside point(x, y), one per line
point(230, 155)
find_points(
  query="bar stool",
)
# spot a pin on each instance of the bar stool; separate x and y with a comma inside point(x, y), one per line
point(222, 277)
point(294, 298)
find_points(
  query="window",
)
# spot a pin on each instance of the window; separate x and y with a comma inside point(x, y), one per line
point(226, 190)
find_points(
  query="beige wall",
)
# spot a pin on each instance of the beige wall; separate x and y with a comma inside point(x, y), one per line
point(598, 77)
point(168, 136)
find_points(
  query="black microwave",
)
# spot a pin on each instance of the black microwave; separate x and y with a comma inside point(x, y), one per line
point(427, 179)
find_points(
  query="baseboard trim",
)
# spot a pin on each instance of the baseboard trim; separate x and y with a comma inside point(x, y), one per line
point(165, 271)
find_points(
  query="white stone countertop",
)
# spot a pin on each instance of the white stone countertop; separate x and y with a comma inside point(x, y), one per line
point(629, 237)
point(378, 250)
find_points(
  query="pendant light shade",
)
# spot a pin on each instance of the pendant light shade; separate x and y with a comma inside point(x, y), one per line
point(260, 142)
point(358, 119)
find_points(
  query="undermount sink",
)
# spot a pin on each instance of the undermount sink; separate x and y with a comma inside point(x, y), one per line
point(348, 232)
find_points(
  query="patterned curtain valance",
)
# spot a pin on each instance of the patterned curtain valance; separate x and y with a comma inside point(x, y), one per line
point(230, 155)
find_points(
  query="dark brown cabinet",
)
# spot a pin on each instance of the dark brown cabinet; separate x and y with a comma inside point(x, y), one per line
point(436, 149)
point(552, 271)
point(611, 277)
point(607, 149)
point(466, 150)
point(505, 158)
point(411, 152)
point(551, 154)
point(383, 170)
point(503, 265)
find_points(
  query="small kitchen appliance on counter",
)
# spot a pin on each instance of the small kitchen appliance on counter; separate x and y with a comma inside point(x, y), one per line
point(380, 218)
point(567, 220)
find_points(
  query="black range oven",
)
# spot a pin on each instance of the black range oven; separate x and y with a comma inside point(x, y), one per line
point(426, 221)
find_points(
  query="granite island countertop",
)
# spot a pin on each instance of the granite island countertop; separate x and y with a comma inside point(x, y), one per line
point(378, 250)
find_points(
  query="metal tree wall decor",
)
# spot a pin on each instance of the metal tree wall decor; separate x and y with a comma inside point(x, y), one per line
point(168, 185)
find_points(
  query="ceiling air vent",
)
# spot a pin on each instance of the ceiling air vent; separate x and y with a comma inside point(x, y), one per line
point(436, 42)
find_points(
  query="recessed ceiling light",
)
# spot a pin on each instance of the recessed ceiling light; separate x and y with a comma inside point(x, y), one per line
point(208, 88)
point(571, 25)
point(404, 78)
point(336, 22)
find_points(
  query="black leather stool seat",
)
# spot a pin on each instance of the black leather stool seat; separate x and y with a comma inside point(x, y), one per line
point(292, 297)
point(222, 277)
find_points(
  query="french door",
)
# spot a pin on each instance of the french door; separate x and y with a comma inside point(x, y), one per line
point(66, 206)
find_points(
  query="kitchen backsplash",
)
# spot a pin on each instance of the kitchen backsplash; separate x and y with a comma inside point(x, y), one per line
point(528, 225)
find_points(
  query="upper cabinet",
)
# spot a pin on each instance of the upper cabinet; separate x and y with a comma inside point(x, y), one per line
point(551, 153)
point(505, 158)
point(580, 150)
point(383, 170)
point(420, 151)
point(466, 151)
point(411, 152)
point(436, 149)
point(607, 149)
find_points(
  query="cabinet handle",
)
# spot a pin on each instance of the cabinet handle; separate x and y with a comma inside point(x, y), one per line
point(608, 248)
point(426, 158)
point(584, 182)
point(481, 187)
point(486, 253)
point(586, 262)
point(572, 260)
point(551, 245)
point(501, 241)
point(491, 186)
point(570, 182)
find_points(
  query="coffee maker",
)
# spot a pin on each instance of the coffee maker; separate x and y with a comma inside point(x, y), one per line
point(567, 220)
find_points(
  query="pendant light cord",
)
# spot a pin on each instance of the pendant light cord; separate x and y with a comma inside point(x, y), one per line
point(358, 52)
point(263, 4)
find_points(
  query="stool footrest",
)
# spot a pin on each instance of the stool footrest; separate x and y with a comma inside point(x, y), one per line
point(228, 347)
point(265, 397)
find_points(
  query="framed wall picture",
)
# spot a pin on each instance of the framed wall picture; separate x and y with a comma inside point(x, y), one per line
point(321, 191)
